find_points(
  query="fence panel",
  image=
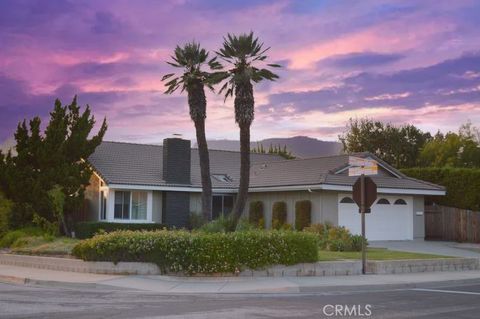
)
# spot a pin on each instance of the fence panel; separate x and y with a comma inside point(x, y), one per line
point(452, 224)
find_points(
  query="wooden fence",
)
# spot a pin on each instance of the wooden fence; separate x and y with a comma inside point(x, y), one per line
point(452, 224)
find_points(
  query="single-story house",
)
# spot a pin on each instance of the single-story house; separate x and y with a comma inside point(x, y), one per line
point(161, 184)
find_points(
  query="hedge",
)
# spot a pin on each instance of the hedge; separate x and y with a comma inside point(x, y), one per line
point(255, 214)
point(303, 214)
point(199, 252)
point(89, 229)
point(462, 184)
point(279, 214)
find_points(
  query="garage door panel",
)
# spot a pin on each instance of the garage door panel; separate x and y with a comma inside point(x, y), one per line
point(385, 222)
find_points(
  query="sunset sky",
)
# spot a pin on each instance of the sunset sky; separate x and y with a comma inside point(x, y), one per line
point(402, 61)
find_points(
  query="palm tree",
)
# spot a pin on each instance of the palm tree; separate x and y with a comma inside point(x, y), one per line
point(242, 53)
point(192, 59)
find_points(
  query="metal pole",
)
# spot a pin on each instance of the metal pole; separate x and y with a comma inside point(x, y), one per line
point(362, 212)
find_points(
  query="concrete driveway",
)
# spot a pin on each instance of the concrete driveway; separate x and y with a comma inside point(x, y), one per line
point(444, 248)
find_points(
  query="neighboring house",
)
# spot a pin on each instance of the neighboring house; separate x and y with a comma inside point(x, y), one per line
point(161, 184)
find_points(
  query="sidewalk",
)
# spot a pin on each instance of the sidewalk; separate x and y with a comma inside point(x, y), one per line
point(196, 285)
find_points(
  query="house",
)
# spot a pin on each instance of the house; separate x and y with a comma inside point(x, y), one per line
point(139, 183)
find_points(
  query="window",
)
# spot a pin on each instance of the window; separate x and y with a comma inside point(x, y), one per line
point(221, 205)
point(347, 200)
point(122, 205)
point(130, 205)
point(103, 206)
point(383, 201)
point(400, 202)
point(139, 205)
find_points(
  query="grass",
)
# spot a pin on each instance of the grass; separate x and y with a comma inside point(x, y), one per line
point(38, 245)
point(373, 254)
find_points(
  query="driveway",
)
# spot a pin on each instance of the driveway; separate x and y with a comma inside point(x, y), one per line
point(444, 248)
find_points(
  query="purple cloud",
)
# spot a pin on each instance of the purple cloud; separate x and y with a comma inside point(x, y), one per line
point(444, 84)
point(359, 60)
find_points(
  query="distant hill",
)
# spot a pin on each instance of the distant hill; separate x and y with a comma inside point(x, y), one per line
point(300, 146)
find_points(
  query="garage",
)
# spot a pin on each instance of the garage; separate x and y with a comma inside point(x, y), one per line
point(391, 217)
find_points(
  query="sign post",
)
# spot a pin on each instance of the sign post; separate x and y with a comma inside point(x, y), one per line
point(364, 194)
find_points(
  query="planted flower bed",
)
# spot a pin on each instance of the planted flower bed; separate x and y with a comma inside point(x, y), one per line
point(199, 252)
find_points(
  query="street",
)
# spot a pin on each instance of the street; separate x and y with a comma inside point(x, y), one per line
point(445, 301)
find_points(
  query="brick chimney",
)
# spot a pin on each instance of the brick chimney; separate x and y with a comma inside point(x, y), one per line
point(176, 161)
point(176, 170)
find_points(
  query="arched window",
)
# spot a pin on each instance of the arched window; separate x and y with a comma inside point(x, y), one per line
point(383, 201)
point(347, 200)
point(400, 202)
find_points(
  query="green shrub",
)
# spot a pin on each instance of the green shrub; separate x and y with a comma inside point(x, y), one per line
point(89, 229)
point(322, 232)
point(335, 238)
point(338, 239)
point(196, 220)
point(222, 224)
point(462, 184)
point(279, 215)
point(303, 214)
point(5, 215)
point(200, 252)
point(10, 237)
point(244, 225)
point(356, 243)
point(255, 214)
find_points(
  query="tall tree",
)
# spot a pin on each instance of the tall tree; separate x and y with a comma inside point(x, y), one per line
point(399, 146)
point(54, 158)
point(193, 59)
point(242, 53)
point(453, 149)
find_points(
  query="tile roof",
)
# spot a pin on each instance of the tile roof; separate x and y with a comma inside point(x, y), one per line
point(141, 164)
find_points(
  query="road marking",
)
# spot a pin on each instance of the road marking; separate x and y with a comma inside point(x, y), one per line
point(448, 291)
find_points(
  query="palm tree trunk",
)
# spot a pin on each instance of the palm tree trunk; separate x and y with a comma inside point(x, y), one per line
point(204, 169)
point(244, 171)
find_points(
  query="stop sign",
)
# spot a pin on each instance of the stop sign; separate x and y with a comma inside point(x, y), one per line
point(370, 191)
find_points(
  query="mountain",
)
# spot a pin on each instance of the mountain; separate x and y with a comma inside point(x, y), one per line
point(300, 146)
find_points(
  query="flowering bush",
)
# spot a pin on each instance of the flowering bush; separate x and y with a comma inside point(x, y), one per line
point(335, 238)
point(200, 252)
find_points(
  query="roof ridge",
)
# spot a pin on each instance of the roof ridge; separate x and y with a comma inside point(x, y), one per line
point(192, 148)
point(304, 159)
point(133, 143)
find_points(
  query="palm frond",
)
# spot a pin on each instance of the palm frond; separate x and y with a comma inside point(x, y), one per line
point(166, 76)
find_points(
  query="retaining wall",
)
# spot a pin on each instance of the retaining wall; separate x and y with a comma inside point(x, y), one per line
point(330, 268)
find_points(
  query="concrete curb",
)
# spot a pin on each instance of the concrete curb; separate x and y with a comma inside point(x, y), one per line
point(302, 290)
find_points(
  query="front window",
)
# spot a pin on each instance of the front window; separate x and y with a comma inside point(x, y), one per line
point(139, 205)
point(130, 205)
point(221, 205)
point(122, 205)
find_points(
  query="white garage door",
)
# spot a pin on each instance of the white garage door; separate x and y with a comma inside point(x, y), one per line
point(391, 217)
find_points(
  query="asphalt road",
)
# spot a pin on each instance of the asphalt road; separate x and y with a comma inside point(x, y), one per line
point(445, 301)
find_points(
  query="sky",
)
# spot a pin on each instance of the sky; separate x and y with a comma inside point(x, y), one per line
point(398, 61)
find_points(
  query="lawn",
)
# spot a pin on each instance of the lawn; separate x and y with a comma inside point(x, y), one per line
point(60, 246)
point(373, 254)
